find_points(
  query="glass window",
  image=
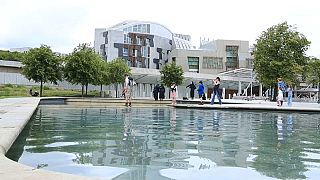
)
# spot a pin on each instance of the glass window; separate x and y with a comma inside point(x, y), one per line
point(144, 28)
point(135, 28)
point(139, 28)
point(126, 39)
point(212, 63)
point(193, 63)
point(125, 51)
point(138, 64)
point(232, 57)
point(148, 28)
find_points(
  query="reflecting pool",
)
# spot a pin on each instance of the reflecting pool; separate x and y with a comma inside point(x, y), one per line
point(167, 143)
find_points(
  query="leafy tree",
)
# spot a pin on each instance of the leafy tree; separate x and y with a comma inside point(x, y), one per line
point(116, 69)
point(280, 52)
point(171, 73)
point(42, 65)
point(102, 77)
point(11, 56)
point(313, 73)
point(82, 66)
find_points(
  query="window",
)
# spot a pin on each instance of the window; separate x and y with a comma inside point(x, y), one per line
point(193, 63)
point(135, 28)
point(126, 39)
point(144, 28)
point(212, 63)
point(148, 28)
point(144, 51)
point(231, 57)
point(125, 51)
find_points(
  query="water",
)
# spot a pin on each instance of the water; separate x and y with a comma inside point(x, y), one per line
point(166, 143)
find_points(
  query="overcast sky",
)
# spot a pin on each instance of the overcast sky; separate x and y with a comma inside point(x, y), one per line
point(63, 24)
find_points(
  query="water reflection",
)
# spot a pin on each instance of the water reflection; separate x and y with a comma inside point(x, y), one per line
point(164, 143)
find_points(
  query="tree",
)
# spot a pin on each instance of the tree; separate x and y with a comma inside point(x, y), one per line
point(313, 73)
point(116, 69)
point(103, 77)
point(171, 73)
point(11, 56)
point(42, 65)
point(82, 66)
point(280, 52)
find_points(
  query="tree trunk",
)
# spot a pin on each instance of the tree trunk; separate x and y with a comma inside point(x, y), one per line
point(318, 93)
point(275, 94)
point(82, 88)
point(41, 84)
point(101, 92)
point(116, 90)
point(87, 89)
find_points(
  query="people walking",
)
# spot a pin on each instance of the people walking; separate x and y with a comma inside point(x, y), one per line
point(280, 98)
point(216, 83)
point(201, 92)
point(156, 92)
point(289, 90)
point(192, 88)
point(174, 93)
point(162, 91)
point(128, 86)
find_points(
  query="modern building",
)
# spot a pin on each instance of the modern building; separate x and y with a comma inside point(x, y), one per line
point(147, 46)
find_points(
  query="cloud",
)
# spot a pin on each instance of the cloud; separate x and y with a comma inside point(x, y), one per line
point(64, 24)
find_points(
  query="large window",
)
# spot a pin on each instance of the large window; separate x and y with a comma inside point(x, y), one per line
point(193, 63)
point(141, 28)
point(212, 63)
point(232, 57)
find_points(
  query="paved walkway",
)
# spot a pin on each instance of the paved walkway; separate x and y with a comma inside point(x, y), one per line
point(16, 112)
point(251, 105)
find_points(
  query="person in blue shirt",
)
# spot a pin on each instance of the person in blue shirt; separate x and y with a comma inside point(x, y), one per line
point(201, 91)
point(281, 85)
point(289, 90)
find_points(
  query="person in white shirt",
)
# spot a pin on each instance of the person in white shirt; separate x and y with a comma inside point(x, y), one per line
point(128, 85)
point(280, 98)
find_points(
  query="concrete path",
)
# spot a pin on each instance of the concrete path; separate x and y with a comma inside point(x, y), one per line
point(251, 105)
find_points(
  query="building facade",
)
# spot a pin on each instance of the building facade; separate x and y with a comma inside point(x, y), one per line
point(150, 45)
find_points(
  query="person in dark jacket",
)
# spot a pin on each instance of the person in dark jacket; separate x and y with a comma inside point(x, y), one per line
point(162, 91)
point(201, 92)
point(156, 92)
point(216, 84)
point(192, 88)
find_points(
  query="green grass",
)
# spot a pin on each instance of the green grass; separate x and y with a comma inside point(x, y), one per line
point(10, 90)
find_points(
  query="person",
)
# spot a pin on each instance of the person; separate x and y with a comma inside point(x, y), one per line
point(201, 92)
point(289, 90)
point(35, 94)
point(156, 92)
point(192, 88)
point(216, 83)
point(128, 85)
point(173, 93)
point(162, 91)
point(280, 98)
point(281, 85)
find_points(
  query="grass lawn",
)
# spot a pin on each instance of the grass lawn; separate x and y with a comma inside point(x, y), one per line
point(10, 90)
